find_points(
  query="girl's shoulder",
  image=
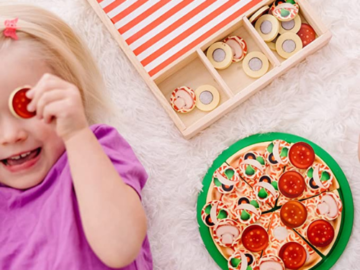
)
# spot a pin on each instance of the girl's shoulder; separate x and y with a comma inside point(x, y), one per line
point(108, 136)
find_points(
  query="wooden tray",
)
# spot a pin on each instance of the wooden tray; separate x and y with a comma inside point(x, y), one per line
point(176, 57)
point(344, 191)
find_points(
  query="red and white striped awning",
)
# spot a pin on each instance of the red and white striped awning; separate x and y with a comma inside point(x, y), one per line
point(160, 31)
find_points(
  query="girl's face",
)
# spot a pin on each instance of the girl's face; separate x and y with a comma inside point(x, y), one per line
point(20, 67)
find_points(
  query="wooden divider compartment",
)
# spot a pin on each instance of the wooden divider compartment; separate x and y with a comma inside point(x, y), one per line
point(194, 69)
point(307, 17)
point(234, 76)
point(194, 74)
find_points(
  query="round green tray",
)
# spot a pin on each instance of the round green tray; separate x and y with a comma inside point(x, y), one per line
point(345, 194)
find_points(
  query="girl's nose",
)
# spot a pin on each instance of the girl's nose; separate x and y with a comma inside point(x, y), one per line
point(12, 133)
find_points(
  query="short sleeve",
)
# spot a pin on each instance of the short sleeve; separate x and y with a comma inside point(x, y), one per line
point(122, 156)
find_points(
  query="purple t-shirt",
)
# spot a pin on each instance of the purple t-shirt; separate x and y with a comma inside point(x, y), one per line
point(40, 228)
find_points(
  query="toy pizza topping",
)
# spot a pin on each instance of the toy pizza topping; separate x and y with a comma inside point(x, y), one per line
point(212, 212)
point(291, 184)
point(301, 155)
point(227, 234)
point(330, 206)
point(307, 34)
point(18, 103)
point(293, 255)
point(238, 261)
point(255, 238)
point(320, 233)
point(223, 180)
point(238, 46)
point(319, 176)
point(267, 187)
point(293, 214)
point(271, 262)
point(183, 99)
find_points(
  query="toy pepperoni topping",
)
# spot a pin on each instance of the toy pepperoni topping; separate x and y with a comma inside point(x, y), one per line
point(255, 238)
point(293, 214)
point(301, 155)
point(320, 233)
point(18, 103)
point(291, 184)
point(293, 255)
point(307, 34)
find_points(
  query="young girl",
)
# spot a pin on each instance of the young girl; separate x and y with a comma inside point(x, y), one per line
point(69, 193)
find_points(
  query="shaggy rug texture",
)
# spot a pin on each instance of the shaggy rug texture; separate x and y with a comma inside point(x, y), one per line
point(319, 99)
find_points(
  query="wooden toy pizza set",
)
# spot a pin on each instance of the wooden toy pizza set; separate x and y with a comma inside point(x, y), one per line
point(203, 58)
point(275, 201)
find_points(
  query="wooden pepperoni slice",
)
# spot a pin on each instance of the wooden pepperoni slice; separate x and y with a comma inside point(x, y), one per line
point(255, 238)
point(293, 255)
point(291, 184)
point(301, 155)
point(18, 103)
point(307, 34)
point(320, 233)
point(293, 214)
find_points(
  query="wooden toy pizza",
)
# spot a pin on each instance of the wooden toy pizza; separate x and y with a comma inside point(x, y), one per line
point(18, 102)
point(274, 202)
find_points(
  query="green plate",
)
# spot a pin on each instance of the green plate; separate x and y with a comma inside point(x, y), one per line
point(344, 191)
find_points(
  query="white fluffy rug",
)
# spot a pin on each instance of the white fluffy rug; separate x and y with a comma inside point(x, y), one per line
point(319, 99)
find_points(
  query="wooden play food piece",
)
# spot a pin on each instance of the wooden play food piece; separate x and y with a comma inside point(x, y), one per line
point(293, 214)
point(220, 55)
point(207, 98)
point(290, 26)
point(288, 44)
point(301, 155)
point(320, 233)
point(255, 238)
point(307, 34)
point(293, 255)
point(291, 184)
point(255, 64)
point(259, 13)
point(239, 47)
point(183, 99)
point(268, 27)
point(285, 11)
point(271, 262)
point(18, 103)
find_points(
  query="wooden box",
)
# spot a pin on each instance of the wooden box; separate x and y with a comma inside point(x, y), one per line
point(177, 56)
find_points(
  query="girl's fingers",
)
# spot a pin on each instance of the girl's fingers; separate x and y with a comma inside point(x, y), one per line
point(53, 109)
point(46, 83)
point(47, 98)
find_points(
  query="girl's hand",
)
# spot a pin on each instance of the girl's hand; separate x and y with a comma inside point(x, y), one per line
point(59, 102)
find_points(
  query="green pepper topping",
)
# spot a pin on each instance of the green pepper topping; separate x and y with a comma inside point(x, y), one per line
point(249, 170)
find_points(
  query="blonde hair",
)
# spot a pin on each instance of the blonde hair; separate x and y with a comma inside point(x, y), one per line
point(62, 50)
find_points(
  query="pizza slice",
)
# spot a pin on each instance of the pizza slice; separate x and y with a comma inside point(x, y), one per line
point(244, 204)
point(288, 246)
point(253, 240)
point(318, 178)
point(323, 221)
point(228, 234)
point(306, 175)
point(251, 166)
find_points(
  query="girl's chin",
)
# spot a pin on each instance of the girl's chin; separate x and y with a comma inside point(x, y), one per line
point(25, 182)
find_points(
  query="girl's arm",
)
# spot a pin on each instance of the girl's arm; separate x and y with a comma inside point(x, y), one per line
point(111, 212)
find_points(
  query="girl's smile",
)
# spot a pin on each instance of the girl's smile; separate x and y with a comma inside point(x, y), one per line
point(22, 161)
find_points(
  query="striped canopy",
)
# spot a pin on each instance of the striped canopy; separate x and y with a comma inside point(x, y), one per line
point(160, 31)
